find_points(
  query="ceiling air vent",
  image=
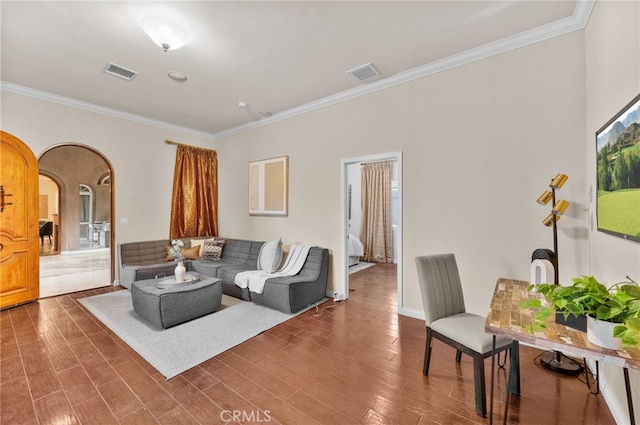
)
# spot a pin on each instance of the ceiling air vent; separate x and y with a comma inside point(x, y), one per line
point(120, 71)
point(364, 72)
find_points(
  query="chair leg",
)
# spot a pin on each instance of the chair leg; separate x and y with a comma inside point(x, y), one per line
point(480, 391)
point(458, 356)
point(427, 353)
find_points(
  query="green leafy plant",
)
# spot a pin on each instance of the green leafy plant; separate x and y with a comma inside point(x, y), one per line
point(620, 303)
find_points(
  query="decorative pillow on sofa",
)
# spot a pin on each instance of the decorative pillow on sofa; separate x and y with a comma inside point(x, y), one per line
point(199, 243)
point(192, 253)
point(270, 256)
point(212, 249)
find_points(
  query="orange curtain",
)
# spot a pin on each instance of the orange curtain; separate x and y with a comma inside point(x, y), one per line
point(376, 232)
point(194, 203)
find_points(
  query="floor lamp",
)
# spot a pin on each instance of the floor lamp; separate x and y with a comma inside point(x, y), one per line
point(554, 359)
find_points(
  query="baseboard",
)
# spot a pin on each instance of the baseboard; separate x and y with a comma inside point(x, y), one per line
point(409, 312)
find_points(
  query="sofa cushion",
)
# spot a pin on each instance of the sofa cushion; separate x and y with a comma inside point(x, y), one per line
point(237, 250)
point(143, 253)
point(270, 256)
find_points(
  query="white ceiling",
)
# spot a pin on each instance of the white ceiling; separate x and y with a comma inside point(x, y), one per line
point(276, 56)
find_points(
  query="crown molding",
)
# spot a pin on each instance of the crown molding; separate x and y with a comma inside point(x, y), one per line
point(74, 103)
point(576, 22)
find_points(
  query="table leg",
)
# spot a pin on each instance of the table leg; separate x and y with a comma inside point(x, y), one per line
point(627, 385)
point(508, 386)
point(493, 361)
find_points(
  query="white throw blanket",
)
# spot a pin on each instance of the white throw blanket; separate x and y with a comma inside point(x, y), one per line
point(255, 279)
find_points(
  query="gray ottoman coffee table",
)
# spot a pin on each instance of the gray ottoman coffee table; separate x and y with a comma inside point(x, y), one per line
point(170, 305)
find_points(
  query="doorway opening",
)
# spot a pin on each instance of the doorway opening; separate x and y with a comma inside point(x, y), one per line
point(350, 184)
point(48, 215)
point(82, 212)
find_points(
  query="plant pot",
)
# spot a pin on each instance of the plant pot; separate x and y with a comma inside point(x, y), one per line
point(579, 323)
point(600, 333)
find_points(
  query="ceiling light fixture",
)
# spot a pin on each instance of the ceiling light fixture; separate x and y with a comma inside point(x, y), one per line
point(177, 76)
point(259, 115)
point(166, 34)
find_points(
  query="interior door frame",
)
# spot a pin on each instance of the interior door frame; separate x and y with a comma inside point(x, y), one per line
point(342, 289)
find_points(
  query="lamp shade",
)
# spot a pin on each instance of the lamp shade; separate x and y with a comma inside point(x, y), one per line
point(560, 207)
point(545, 197)
point(164, 33)
point(559, 180)
point(550, 219)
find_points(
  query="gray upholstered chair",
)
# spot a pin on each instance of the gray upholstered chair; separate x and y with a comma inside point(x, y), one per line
point(447, 320)
point(46, 230)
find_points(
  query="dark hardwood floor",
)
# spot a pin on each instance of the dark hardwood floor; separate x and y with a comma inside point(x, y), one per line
point(355, 362)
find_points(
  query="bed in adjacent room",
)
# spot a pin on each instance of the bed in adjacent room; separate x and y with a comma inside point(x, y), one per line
point(355, 250)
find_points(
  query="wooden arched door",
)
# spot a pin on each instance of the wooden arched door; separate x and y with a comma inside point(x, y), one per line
point(19, 256)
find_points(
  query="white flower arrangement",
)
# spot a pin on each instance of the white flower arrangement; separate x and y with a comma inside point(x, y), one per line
point(176, 245)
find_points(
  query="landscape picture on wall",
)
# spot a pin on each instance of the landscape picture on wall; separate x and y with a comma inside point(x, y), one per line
point(618, 159)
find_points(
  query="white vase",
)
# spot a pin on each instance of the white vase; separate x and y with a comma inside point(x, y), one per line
point(180, 272)
point(600, 333)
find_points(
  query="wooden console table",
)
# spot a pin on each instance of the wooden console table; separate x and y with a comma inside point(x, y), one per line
point(507, 318)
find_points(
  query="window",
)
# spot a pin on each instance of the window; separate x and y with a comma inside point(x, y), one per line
point(86, 202)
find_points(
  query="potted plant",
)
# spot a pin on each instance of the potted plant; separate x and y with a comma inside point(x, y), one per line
point(619, 305)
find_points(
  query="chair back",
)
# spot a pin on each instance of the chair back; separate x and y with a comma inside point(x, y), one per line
point(440, 286)
point(47, 229)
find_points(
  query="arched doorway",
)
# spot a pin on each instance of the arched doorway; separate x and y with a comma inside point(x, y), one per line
point(84, 240)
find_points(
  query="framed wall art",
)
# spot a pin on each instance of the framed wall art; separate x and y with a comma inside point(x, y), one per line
point(618, 171)
point(269, 186)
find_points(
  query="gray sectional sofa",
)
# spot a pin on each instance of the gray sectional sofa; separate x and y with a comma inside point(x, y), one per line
point(147, 260)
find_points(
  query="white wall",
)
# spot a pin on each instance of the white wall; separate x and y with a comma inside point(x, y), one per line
point(613, 79)
point(142, 163)
point(480, 143)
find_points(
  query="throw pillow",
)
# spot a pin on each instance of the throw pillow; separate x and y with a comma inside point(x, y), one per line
point(199, 243)
point(192, 253)
point(270, 256)
point(212, 249)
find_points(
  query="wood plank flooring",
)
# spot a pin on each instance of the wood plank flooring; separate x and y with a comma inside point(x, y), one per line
point(355, 362)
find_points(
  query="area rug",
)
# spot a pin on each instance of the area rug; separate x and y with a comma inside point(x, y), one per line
point(174, 350)
point(360, 266)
